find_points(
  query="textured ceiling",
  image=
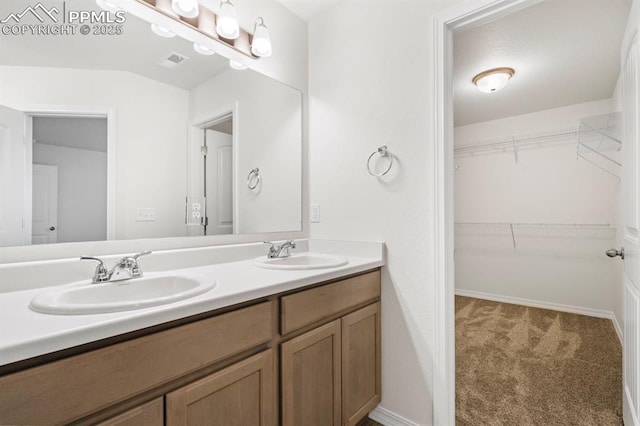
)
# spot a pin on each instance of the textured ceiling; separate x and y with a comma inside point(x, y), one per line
point(563, 51)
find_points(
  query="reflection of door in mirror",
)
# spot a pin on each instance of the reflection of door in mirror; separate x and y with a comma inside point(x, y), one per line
point(219, 178)
point(12, 177)
point(69, 179)
point(45, 204)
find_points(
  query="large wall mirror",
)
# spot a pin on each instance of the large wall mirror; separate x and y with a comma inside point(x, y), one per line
point(109, 136)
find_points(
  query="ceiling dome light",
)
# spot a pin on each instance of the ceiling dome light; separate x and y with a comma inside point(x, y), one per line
point(237, 65)
point(227, 22)
point(261, 44)
point(162, 31)
point(492, 80)
point(186, 8)
point(203, 50)
point(107, 5)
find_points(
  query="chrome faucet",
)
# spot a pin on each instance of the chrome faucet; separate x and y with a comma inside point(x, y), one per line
point(283, 250)
point(124, 269)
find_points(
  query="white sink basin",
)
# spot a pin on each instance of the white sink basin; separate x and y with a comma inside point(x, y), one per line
point(86, 298)
point(301, 262)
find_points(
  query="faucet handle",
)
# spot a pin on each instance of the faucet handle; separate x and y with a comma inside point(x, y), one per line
point(101, 274)
point(144, 253)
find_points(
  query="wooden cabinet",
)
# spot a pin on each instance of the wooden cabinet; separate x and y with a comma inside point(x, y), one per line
point(311, 371)
point(240, 395)
point(219, 368)
point(360, 363)
point(331, 374)
point(149, 414)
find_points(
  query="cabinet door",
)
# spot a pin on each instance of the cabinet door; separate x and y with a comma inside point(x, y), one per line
point(360, 363)
point(149, 414)
point(311, 378)
point(240, 395)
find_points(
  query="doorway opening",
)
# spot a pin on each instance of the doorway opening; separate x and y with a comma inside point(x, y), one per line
point(212, 181)
point(495, 229)
point(69, 179)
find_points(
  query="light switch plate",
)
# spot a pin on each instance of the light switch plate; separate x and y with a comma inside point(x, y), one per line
point(315, 213)
point(146, 214)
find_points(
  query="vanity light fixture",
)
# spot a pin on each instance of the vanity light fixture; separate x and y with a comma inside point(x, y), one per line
point(212, 32)
point(261, 43)
point(492, 80)
point(203, 50)
point(186, 8)
point(227, 21)
point(162, 31)
point(237, 65)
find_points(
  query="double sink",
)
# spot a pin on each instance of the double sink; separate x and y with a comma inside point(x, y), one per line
point(155, 289)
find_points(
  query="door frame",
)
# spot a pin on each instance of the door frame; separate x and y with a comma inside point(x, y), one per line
point(468, 15)
point(75, 111)
point(196, 135)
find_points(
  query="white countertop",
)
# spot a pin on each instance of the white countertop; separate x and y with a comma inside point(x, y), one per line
point(25, 334)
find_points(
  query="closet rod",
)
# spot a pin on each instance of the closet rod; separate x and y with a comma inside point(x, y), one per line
point(540, 225)
point(511, 143)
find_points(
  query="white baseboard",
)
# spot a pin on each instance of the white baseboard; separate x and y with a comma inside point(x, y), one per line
point(545, 305)
point(387, 418)
point(629, 417)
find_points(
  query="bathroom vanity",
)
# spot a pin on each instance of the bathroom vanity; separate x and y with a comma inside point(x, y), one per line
point(309, 353)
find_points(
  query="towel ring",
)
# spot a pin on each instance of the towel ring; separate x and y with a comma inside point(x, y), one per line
point(384, 152)
point(253, 176)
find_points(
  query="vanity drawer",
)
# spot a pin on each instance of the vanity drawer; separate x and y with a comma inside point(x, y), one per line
point(66, 390)
point(311, 306)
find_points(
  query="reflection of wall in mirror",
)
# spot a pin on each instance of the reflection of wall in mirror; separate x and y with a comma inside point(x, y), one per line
point(269, 132)
point(151, 136)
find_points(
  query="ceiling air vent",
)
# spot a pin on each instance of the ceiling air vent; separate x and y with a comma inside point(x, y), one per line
point(173, 60)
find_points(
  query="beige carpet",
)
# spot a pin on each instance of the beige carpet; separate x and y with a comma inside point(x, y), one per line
point(526, 366)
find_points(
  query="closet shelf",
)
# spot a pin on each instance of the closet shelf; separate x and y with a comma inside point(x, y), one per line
point(600, 140)
point(517, 143)
point(513, 228)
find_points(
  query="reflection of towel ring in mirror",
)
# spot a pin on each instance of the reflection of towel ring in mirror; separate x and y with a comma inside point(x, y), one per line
point(254, 176)
point(384, 152)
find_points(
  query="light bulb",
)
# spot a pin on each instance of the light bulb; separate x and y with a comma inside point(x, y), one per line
point(261, 44)
point(162, 31)
point(227, 21)
point(107, 5)
point(203, 50)
point(186, 8)
point(237, 65)
point(493, 80)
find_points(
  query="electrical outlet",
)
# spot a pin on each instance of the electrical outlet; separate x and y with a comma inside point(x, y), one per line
point(145, 214)
point(315, 213)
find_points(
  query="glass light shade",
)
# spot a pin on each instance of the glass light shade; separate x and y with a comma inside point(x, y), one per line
point(162, 31)
point(186, 8)
point(227, 21)
point(493, 80)
point(203, 50)
point(237, 65)
point(261, 44)
point(107, 5)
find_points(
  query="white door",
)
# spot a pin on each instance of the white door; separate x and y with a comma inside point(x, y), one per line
point(45, 204)
point(219, 183)
point(12, 177)
point(631, 233)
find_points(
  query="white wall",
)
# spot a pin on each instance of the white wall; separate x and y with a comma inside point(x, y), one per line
point(548, 184)
point(82, 191)
point(151, 136)
point(268, 125)
point(370, 88)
